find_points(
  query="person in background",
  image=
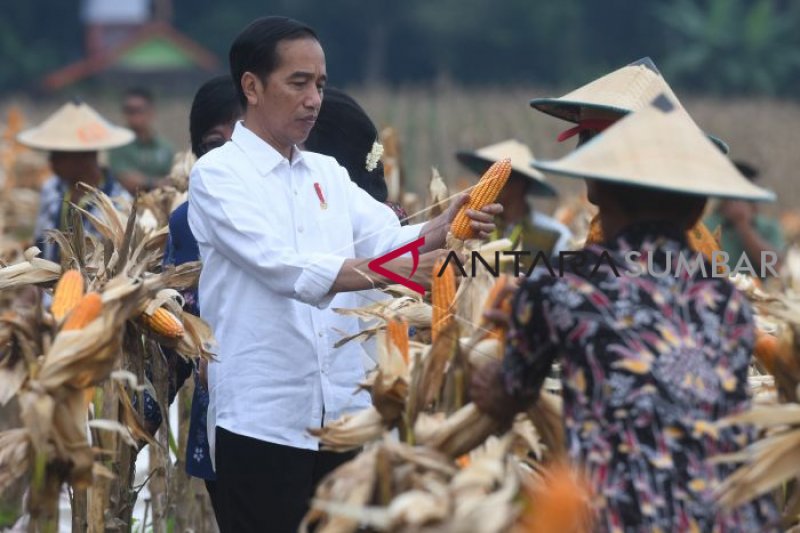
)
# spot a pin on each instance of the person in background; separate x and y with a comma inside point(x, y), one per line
point(528, 229)
point(73, 136)
point(215, 110)
point(650, 360)
point(144, 163)
point(344, 131)
point(743, 229)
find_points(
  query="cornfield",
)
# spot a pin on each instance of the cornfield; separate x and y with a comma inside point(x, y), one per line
point(72, 363)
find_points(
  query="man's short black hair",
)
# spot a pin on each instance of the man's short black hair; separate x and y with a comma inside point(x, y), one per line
point(141, 92)
point(255, 48)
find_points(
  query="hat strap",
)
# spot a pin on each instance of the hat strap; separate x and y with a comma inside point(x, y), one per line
point(595, 124)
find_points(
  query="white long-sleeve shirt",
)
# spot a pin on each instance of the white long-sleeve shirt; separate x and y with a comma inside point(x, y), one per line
point(271, 253)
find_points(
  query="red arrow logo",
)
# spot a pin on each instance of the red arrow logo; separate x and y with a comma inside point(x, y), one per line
point(413, 247)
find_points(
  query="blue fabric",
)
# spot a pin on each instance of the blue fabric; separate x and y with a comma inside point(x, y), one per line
point(182, 248)
point(51, 205)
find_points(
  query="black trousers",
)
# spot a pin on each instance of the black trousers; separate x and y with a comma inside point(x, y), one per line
point(211, 488)
point(264, 487)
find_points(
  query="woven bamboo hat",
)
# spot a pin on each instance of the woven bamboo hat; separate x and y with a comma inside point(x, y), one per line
point(659, 147)
point(75, 127)
point(521, 157)
point(627, 89)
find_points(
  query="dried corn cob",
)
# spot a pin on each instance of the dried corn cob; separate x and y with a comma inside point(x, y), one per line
point(766, 350)
point(443, 294)
point(502, 302)
point(462, 431)
point(595, 235)
point(68, 293)
point(164, 323)
point(397, 334)
point(484, 193)
point(703, 241)
point(86, 311)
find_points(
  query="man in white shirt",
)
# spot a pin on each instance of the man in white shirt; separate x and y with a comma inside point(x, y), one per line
point(284, 237)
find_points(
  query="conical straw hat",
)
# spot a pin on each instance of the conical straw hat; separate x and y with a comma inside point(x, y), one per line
point(521, 158)
point(659, 147)
point(627, 89)
point(75, 127)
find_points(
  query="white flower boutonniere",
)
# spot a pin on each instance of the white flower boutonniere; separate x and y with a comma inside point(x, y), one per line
point(374, 156)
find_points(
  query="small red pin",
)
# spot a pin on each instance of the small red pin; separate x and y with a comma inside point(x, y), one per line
point(322, 203)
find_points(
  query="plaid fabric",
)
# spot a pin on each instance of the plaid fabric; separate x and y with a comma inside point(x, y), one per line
point(52, 215)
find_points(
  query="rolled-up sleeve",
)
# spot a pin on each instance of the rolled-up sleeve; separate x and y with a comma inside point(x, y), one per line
point(227, 217)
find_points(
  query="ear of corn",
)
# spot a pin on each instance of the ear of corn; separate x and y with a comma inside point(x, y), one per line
point(397, 334)
point(86, 311)
point(484, 193)
point(443, 294)
point(766, 350)
point(164, 323)
point(595, 235)
point(498, 300)
point(703, 241)
point(68, 293)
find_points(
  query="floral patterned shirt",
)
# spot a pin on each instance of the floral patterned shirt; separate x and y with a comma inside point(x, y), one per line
point(648, 365)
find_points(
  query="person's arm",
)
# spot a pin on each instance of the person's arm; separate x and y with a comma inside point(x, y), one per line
point(225, 215)
point(740, 215)
point(355, 274)
point(482, 222)
point(502, 389)
point(230, 218)
point(377, 231)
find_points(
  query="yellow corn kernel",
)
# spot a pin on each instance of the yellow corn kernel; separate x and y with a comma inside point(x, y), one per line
point(164, 323)
point(88, 308)
point(68, 293)
point(397, 334)
point(497, 300)
point(443, 295)
point(485, 192)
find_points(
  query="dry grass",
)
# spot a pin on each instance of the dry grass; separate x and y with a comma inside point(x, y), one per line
point(435, 122)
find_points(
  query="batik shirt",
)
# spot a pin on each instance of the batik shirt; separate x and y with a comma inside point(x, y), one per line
point(55, 210)
point(648, 365)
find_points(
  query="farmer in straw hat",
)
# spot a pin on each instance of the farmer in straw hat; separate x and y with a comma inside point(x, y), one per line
point(598, 104)
point(528, 229)
point(650, 361)
point(73, 135)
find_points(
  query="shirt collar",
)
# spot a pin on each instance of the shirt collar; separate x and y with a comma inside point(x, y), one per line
point(261, 153)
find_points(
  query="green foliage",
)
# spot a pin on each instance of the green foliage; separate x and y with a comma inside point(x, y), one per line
point(36, 37)
point(733, 46)
point(722, 46)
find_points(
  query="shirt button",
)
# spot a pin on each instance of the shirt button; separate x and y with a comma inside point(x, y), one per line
point(300, 229)
point(295, 193)
point(319, 334)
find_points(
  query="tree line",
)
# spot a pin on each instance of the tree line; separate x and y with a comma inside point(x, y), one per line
point(712, 46)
